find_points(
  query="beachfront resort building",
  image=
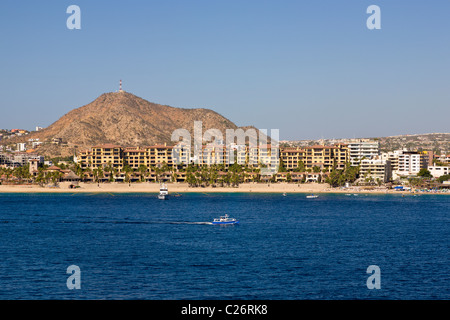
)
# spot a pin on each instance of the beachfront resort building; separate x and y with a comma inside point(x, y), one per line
point(392, 156)
point(214, 154)
point(106, 154)
point(406, 163)
point(135, 157)
point(362, 149)
point(117, 157)
point(409, 163)
point(323, 157)
point(316, 158)
point(375, 170)
point(158, 155)
point(264, 156)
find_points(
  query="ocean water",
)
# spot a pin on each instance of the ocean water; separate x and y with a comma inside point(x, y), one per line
point(134, 246)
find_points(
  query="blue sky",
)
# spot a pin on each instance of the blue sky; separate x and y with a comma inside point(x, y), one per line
point(311, 69)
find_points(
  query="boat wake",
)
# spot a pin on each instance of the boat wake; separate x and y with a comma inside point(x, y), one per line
point(187, 222)
point(139, 222)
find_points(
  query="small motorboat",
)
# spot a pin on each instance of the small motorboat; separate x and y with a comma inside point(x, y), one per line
point(225, 220)
point(163, 193)
point(312, 196)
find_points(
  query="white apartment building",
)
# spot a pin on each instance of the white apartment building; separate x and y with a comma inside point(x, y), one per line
point(18, 159)
point(362, 149)
point(21, 146)
point(404, 162)
point(409, 163)
point(437, 171)
point(377, 169)
point(392, 156)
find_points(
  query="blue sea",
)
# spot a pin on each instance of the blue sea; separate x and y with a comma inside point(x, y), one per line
point(134, 246)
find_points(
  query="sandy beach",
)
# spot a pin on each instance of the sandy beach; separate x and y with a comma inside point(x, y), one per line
point(184, 188)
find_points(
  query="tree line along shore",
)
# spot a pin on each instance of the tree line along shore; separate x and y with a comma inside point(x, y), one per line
point(213, 176)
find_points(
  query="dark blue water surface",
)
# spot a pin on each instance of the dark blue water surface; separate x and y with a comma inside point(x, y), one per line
point(134, 246)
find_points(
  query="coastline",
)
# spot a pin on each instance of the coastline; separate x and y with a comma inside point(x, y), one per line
point(175, 188)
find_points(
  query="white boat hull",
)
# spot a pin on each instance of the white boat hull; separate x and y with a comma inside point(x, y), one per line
point(163, 193)
point(163, 196)
point(225, 220)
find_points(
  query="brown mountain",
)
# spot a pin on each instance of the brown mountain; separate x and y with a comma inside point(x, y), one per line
point(127, 120)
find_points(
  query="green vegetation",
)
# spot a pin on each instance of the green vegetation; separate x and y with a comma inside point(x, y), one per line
point(338, 178)
point(424, 173)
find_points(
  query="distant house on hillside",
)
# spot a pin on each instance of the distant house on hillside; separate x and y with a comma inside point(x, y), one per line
point(56, 141)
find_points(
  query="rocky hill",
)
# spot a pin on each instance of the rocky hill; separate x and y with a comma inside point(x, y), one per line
point(124, 119)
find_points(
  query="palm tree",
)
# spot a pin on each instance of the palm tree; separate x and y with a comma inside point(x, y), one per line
point(55, 177)
point(198, 177)
point(22, 172)
point(86, 173)
point(114, 173)
point(204, 175)
point(8, 173)
point(165, 167)
point(78, 170)
point(142, 170)
point(289, 177)
point(191, 180)
point(158, 172)
point(213, 174)
point(235, 179)
point(40, 178)
point(127, 170)
point(109, 169)
point(98, 174)
point(227, 178)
